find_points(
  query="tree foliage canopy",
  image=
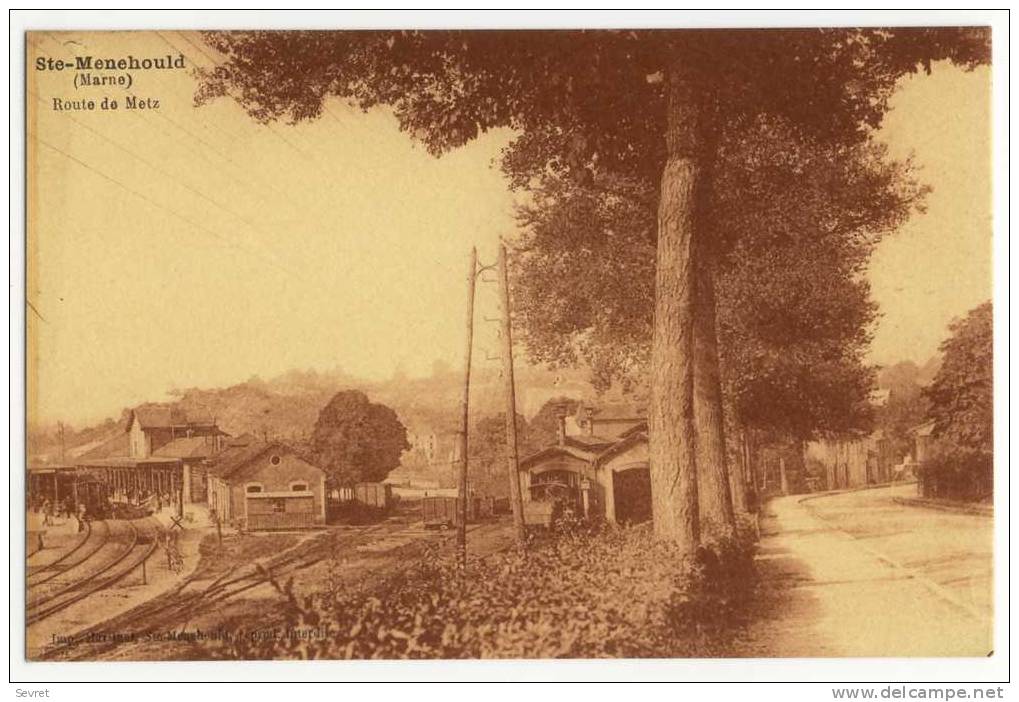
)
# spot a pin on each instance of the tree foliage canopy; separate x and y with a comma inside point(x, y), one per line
point(962, 394)
point(357, 440)
point(487, 449)
point(906, 408)
point(793, 223)
point(652, 109)
point(543, 430)
point(581, 99)
point(799, 193)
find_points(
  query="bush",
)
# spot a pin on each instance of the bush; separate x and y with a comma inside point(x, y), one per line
point(956, 473)
point(354, 513)
point(616, 592)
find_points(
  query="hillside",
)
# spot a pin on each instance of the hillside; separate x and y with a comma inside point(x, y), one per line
point(287, 406)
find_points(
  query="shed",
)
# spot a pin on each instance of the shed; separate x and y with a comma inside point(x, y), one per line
point(600, 477)
point(266, 485)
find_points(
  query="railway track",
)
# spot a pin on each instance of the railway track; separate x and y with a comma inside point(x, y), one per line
point(179, 607)
point(97, 537)
point(59, 562)
point(230, 583)
point(124, 548)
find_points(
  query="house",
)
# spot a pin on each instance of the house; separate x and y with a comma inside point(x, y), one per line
point(159, 456)
point(611, 421)
point(266, 485)
point(151, 427)
point(852, 461)
point(602, 475)
point(923, 436)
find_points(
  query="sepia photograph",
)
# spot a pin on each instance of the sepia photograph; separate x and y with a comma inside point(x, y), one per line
point(533, 343)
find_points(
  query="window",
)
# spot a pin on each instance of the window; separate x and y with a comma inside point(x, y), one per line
point(253, 488)
point(274, 459)
point(299, 487)
point(279, 506)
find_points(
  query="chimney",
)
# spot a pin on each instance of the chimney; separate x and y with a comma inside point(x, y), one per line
point(561, 429)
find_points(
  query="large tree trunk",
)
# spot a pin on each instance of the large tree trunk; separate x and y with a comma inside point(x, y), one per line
point(714, 494)
point(670, 415)
point(738, 477)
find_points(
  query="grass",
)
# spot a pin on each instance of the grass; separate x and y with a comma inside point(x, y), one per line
point(586, 594)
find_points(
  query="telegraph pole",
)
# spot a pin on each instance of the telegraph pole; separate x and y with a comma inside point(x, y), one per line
point(461, 527)
point(516, 498)
point(63, 448)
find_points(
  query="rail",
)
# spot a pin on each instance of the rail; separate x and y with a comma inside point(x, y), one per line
point(104, 538)
point(79, 590)
point(49, 566)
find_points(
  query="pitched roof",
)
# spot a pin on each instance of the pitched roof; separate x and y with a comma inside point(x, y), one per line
point(187, 447)
point(161, 417)
point(116, 446)
point(82, 449)
point(631, 439)
point(581, 454)
point(589, 442)
point(640, 427)
point(595, 450)
point(235, 459)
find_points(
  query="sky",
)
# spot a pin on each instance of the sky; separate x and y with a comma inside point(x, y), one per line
point(937, 266)
point(183, 246)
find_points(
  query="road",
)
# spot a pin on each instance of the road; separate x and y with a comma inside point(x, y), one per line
point(857, 574)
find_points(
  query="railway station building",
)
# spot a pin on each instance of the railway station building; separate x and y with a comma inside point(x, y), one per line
point(602, 472)
point(161, 450)
point(258, 485)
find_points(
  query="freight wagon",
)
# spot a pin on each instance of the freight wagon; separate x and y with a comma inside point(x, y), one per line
point(377, 495)
point(444, 512)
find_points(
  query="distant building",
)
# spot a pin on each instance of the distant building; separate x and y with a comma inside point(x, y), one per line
point(266, 485)
point(853, 461)
point(608, 421)
point(602, 475)
point(150, 428)
point(160, 447)
point(923, 437)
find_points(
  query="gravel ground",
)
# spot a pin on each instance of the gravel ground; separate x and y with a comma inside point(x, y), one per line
point(856, 574)
point(351, 556)
point(953, 549)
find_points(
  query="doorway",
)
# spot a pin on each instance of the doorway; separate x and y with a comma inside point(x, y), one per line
point(632, 489)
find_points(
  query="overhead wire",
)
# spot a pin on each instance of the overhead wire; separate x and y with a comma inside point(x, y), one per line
point(207, 146)
point(178, 181)
point(307, 156)
point(155, 203)
point(218, 62)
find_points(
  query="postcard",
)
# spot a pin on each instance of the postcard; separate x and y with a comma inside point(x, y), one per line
point(516, 344)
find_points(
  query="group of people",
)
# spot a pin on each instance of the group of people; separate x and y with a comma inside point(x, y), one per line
point(62, 509)
point(153, 499)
